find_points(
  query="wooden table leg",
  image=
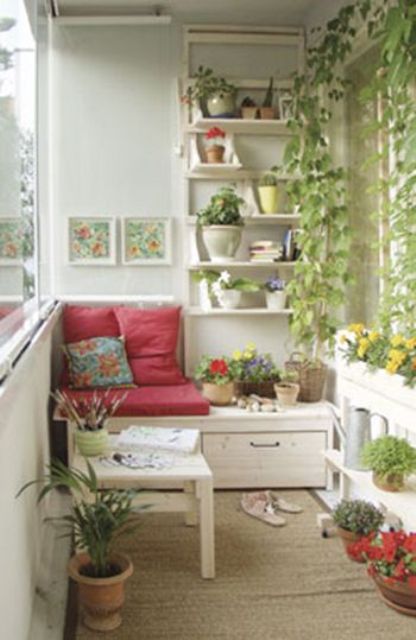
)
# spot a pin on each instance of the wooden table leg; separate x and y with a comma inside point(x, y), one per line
point(206, 510)
point(191, 517)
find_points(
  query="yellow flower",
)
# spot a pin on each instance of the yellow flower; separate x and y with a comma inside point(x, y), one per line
point(397, 357)
point(363, 346)
point(411, 343)
point(373, 336)
point(358, 327)
point(392, 367)
point(397, 341)
point(247, 355)
point(343, 339)
point(237, 355)
point(250, 346)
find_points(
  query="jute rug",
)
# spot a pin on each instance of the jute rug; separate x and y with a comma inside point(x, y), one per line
point(272, 583)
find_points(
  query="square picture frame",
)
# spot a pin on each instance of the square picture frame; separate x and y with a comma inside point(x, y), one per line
point(11, 241)
point(91, 240)
point(146, 241)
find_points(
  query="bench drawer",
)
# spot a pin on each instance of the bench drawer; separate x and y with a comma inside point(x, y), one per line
point(281, 459)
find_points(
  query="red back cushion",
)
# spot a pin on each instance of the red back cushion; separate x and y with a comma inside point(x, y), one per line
point(83, 323)
point(151, 336)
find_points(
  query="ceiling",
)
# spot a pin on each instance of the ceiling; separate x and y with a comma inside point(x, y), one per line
point(282, 12)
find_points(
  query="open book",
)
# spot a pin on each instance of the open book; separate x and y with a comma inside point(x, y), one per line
point(140, 438)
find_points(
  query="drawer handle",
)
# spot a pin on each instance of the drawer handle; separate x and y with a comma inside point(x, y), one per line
point(263, 446)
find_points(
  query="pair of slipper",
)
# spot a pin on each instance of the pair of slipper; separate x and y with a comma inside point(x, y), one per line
point(263, 505)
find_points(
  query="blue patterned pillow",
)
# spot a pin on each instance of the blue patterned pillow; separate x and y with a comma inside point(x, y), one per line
point(98, 362)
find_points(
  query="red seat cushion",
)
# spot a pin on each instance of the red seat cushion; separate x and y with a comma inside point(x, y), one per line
point(83, 323)
point(151, 337)
point(178, 400)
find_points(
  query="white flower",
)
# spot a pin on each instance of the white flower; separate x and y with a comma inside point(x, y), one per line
point(225, 277)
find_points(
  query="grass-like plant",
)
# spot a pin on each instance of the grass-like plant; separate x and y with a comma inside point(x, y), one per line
point(358, 516)
point(97, 517)
point(389, 455)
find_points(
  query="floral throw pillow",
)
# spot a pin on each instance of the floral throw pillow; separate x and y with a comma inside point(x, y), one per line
point(98, 362)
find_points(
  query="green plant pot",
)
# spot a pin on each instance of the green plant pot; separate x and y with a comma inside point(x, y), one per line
point(221, 105)
point(92, 443)
point(269, 199)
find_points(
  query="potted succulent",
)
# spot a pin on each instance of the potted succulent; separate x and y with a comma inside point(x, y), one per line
point(268, 191)
point(90, 416)
point(391, 459)
point(216, 376)
point(97, 518)
point(275, 293)
point(287, 389)
point(267, 109)
point(248, 109)
point(356, 519)
point(214, 95)
point(214, 144)
point(254, 372)
point(228, 291)
point(221, 223)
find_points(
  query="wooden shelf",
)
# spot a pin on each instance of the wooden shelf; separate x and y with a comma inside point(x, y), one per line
point(402, 503)
point(238, 264)
point(214, 170)
point(231, 174)
point(238, 125)
point(252, 311)
point(262, 218)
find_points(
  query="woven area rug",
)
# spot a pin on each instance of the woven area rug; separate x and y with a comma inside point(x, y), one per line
point(283, 583)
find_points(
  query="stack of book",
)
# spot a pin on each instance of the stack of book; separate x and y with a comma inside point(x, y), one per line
point(265, 251)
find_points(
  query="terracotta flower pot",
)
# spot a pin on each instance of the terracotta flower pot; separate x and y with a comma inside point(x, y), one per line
point(392, 482)
point(287, 393)
point(101, 598)
point(92, 443)
point(215, 154)
point(218, 394)
point(249, 113)
point(348, 538)
point(267, 113)
point(398, 595)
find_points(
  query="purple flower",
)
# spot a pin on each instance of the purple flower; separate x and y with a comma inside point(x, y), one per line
point(275, 284)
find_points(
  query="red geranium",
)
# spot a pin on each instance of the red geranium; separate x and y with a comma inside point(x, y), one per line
point(218, 367)
point(391, 555)
point(215, 132)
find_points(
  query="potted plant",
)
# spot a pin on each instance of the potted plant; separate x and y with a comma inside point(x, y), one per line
point(254, 372)
point(228, 291)
point(90, 416)
point(287, 389)
point(214, 95)
point(267, 109)
point(216, 376)
point(248, 109)
point(275, 293)
point(391, 563)
point(391, 459)
point(268, 191)
point(205, 279)
point(97, 518)
point(311, 374)
point(221, 223)
point(356, 519)
point(214, 143)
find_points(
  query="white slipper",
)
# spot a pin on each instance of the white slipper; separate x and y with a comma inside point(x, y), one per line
point(257, 505)
point(281, 504)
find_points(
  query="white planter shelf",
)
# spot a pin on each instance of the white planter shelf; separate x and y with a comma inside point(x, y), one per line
point(263, 218)
point(249, 311)
point(239, 125)
point(238, 264)
point(231, 174)
point(402, 503)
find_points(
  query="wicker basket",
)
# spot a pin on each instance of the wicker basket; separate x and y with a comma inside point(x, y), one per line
point(263, 389)
point(312, 377)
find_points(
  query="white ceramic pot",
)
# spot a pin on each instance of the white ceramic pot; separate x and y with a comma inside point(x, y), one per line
point(221, 105)
point(221, 241)
point(205, 301)
point(229, 298)
point(276, 300)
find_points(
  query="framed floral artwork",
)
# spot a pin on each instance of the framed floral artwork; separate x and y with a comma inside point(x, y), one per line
point(146, 241)
point(11, 241)
point(91, 241)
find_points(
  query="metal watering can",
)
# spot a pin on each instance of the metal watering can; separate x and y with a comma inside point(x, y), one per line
point(355, 434)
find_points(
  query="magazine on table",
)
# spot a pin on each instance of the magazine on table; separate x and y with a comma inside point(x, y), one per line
point(168, 439)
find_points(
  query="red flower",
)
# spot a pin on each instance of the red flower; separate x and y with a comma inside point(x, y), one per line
point(214, 132)
point(411, 581)
point(410, 543)
point(219, 367)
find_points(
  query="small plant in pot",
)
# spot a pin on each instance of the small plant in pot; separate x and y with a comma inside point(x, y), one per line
point(214, 144)
point(254, 372)
point(216, 375)
point(391, 459)
point(275, 293)
point(214, 96)
point(90, 416)
point(228, 291)
point(267, 111)
point(287, 389)
point(356, 519)
point(268, 190)
point(205, 279)
point(248, 109)
point(97, 518)
point(221, 223)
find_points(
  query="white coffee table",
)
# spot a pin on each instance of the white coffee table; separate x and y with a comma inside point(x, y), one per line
point(190, 473)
